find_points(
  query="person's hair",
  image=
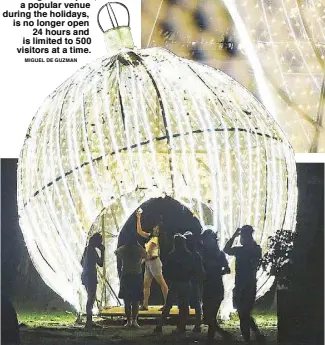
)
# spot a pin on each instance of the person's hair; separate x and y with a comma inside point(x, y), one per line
point(95, 239)
point(158, 224)
point(247, 230)
point(209, 233)
point(180, 243)
point(210, 240)
point(190, 241)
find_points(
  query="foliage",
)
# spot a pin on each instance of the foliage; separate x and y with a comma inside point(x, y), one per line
point(277, 260)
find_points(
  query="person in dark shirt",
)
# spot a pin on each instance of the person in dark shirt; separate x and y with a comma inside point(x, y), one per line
point(179, 268)
point(89, 261)
point(196, 281)
point(247, 256)
point(215, 266)
point(131, 282)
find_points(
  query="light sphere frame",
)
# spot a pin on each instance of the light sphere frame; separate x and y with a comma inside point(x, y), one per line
point(140, 124)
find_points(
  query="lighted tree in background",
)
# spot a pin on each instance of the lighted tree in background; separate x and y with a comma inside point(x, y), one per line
point(280, 56)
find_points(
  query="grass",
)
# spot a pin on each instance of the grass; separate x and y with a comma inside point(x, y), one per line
point(53, 327)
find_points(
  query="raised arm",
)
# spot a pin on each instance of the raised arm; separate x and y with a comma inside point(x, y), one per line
point(100, 261)
point(228, 247)
point(225, 265)
point(139, 227)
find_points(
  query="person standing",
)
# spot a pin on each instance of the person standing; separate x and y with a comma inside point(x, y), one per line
point(153, 265)
point(215, 265)
point(89, 261)
point(247, 260)
point(179, 267)
point(131, 281)
point(196, 281)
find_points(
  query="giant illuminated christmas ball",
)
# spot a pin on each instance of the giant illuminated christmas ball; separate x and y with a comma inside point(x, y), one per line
point(139, 124)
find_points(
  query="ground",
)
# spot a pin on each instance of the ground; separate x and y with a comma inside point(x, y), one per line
point(54, 328)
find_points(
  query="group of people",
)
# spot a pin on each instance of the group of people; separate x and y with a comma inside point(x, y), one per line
point(193, 270)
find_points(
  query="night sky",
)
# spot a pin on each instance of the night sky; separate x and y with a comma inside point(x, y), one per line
point(21, 281)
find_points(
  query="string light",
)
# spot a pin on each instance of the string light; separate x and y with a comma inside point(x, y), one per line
point(287, 40)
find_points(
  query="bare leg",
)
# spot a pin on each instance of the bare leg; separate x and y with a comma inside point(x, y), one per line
point(91, 292)
point(135, 312)
point(146, 290)
point(164, 288)
point(127, 308)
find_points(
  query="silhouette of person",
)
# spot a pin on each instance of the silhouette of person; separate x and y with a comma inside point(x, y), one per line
point(153, 265)
point(89, 261)
point(179, 268)
point(131, 281)
point(196, 281)
point(247, 260)
point(215, 266)
point(9, 323)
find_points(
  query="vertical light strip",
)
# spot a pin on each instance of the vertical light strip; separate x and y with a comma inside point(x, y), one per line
point(127, 130)
point(151, 70)
point(49, 158)
point(179, 108)
point(213, 164)
point(96, 113)
point(107, 101)
point(146, 124)
point(73, 153)
point(137, 114)
point(159, 78)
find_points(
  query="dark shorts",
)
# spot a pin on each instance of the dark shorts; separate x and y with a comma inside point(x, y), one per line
point(90, 282)
point(131, 287)
point(244, 297)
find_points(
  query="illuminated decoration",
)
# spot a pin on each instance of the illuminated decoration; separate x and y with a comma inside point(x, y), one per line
point(140, 124)
point(285, 43)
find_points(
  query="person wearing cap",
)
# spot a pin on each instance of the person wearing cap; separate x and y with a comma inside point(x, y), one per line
point(247, 257)
point(196, 281)
point(179, 268)
point(153, 265)
point(89, 260)
point(215, 266)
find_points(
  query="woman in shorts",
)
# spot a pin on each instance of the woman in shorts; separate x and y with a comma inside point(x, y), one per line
point(153, 265)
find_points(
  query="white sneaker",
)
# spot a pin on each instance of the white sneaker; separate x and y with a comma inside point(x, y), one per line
point(135, 324)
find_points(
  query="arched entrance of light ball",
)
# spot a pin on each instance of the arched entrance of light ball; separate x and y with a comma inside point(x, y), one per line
point(116, 227)
point(173, 217)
